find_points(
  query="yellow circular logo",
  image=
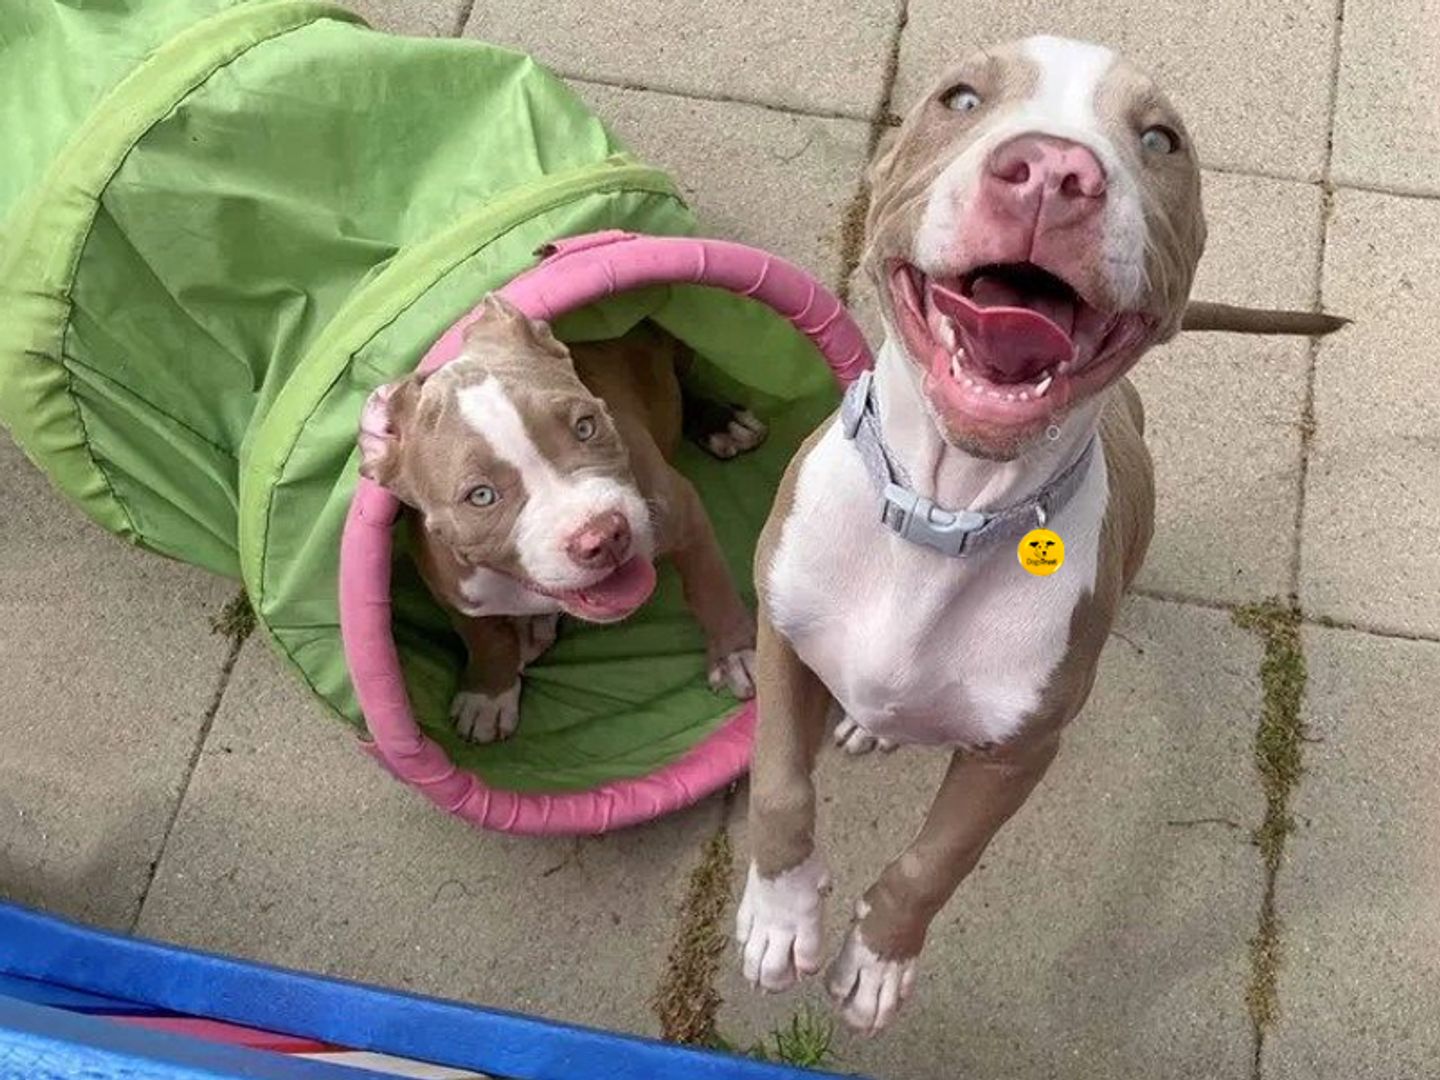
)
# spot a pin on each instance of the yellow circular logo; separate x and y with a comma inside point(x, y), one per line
point(1041, 552)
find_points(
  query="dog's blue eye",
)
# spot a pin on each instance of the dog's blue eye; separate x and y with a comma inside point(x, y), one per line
point(962, 98)
point(1160, 140)
point(585, 428)
point(484, 495)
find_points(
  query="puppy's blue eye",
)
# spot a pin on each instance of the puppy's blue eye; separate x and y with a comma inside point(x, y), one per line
point(585, 428)
point(1160, 140)
point(962, 98)
point(484, 495)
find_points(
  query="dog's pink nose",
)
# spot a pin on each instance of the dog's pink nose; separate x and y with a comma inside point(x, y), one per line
point(604, 540)
point(1036, 168)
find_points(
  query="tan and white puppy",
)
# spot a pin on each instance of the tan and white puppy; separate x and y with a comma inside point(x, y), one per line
point(538, 482)
point(1034, 228)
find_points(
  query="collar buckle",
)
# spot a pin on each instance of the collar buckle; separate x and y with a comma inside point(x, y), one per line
point(918, 520)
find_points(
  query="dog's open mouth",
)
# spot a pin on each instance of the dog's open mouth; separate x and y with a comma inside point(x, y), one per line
point(613, 597)
point(1009, 344)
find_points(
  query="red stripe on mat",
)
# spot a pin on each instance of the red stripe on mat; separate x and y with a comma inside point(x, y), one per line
point(218, 1031)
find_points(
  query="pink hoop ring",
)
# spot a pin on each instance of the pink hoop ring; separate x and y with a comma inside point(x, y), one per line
point(575, 272)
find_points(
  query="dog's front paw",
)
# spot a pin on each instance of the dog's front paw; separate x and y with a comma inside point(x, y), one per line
point(867, 988)
point(483, 718)
point(855, 740)
point(778, 924)
point(743, 433)
point(734, 672)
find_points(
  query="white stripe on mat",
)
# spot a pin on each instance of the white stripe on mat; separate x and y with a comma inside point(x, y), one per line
point(418, 1070)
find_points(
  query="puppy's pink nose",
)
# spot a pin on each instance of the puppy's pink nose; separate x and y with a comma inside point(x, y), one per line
point(1035, 168)
point(604, 540)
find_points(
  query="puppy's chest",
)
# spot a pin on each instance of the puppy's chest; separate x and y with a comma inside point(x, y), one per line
point(915, 646)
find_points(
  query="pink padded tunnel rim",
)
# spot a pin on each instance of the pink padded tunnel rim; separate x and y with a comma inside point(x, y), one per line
point(574, 273)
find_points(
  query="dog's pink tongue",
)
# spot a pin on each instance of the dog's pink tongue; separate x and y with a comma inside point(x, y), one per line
point(616, 596)
point(1013, 343)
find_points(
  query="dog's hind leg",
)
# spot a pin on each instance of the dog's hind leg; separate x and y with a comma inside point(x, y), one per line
point(875, 970)
point(778, 925)
point(721, 430)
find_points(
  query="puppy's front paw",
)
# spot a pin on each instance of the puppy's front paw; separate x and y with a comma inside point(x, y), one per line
point(855, 740)
point(866, 988)
point(482, 718)
point(778, 924)
point(735, 672)
point(743, 433)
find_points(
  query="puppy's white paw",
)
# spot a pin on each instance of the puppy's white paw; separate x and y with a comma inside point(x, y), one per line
point(735, 672)
point(867, 989)
point(855, 740)
point(778, 925)
point(484, 719)
point(537, 634)
point(744, 433)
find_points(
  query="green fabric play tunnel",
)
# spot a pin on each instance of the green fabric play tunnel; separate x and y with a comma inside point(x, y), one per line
point(223, 223)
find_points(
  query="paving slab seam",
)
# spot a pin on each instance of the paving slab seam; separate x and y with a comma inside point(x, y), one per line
point(462, 17)
point(852, 221)
point(1391, 633)
point(723, 99)
point(236, 622)
point(1280, 734)
point(686, 1001)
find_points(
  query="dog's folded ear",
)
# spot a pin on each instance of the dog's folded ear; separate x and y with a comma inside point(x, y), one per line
point(503, 325)
point(381, 422)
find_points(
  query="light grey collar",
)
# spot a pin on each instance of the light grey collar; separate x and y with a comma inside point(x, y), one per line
point(917, 519)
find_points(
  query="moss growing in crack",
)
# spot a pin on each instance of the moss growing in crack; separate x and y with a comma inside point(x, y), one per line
point(1280, 737)
point(687, 1001)
point(1278, 745)
point(236, 619)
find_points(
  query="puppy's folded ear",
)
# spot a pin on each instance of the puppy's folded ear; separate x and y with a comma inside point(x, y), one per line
point(380, 425)
point(503, 325)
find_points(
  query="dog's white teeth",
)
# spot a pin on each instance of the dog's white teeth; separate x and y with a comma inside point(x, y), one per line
point(1024, 395)
point(1064, 366)
point(947, 333)
point(1010, 396)
point(970, 382)
point(1043, 385)
point(955, 368)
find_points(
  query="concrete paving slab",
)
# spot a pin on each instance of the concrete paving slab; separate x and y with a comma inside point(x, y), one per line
point(1105, 933)
point(826, 56)
point(1360, 971)
point(419, 18)
point(1252, 80)
point(775, 180)
point(109, 666)
point(1223, 411)
point(1387, 129)
point(294, 848)
point(1368, 551)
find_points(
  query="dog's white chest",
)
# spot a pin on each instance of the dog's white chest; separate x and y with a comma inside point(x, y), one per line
point(916, 646)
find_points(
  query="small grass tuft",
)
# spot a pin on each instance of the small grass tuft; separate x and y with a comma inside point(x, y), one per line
point(687, 1001)
point(806, 1042)
point(236, 619)
point(1278, 758)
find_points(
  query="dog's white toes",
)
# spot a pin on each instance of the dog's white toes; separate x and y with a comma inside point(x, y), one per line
point(854, 739)
point(736, 673)
point(867, 989)
point(484, 719)
point(778, 925)
point(537, 634)
point(743, 433)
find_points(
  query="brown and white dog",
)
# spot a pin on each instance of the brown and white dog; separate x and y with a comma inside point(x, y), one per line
point(1033, 230)
point(538, 481)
